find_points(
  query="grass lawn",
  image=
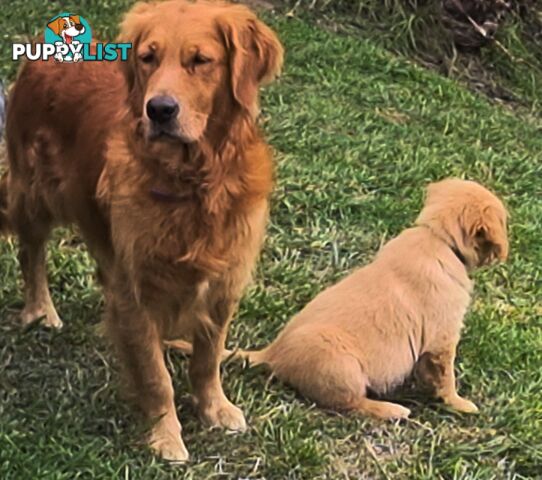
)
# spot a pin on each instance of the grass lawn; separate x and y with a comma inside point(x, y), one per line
point(358, 133)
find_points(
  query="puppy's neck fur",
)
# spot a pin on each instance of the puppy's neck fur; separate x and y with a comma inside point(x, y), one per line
point(448, 239)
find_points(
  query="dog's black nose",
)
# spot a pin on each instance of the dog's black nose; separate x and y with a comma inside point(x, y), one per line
point(162, 108)
point(78, 27)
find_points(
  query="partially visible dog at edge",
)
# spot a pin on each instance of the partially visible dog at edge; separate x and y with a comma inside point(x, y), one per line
point(160, 164)
point(3, 183)
point(398, 316)
point(2, 109)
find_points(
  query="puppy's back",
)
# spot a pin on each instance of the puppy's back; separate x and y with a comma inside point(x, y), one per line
point(379, 316)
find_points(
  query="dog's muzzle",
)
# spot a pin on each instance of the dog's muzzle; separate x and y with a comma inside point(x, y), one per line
point(162, 111)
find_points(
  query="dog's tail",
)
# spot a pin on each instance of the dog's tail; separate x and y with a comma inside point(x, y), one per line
point(254, 357)
point(4, 204)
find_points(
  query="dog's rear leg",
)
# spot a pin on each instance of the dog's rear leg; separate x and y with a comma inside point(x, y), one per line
point(214, 407)
point(33, 233)
point(38, 302)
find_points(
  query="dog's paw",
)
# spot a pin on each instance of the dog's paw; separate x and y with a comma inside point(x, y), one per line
point(46, 315)
point(168, 445)
point(172, 450)
point(393, 411)
point(223, 414)
point(462, 405)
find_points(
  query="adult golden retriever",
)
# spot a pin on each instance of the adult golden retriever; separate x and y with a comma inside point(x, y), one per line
point(402, 313)
point(159, 162)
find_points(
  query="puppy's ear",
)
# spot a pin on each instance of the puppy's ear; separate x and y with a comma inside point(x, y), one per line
point(56, 25)
point(485, 227)
point(255, 54)
point(76, 19)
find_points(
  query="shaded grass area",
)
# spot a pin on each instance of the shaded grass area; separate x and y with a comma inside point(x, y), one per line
point(358, 133)
point(508, 68)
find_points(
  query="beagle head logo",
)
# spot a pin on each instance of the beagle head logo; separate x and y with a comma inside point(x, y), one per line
point(67, 27)
point(70, 30)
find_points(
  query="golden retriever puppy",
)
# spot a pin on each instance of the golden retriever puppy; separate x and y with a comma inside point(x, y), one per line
point(160, 164)
point(401, 314)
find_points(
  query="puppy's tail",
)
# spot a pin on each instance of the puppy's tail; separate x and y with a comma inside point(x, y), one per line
point(4, 204)
point(254, 357)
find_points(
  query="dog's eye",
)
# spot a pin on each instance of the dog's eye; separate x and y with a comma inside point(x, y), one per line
point(147, 57)
point(200, 59)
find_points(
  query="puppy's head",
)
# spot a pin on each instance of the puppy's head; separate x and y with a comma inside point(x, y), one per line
point(71, 25)
point(472, 217)
point(193, 65)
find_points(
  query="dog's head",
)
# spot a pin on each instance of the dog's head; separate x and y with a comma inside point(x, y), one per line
point(193, 64)
point(472, 217)
point(67, 27)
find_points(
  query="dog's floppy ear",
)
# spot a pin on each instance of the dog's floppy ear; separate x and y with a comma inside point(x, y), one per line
point(131, 30)
point(134, 21)
point(472, 217)
point(255, 54)
point(485, 227)
point(56, 25)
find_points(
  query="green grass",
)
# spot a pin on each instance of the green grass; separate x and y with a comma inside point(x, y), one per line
point(358, 133)
point(508, 69)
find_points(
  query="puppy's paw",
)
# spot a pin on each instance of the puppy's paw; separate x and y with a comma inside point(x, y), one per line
point(381, 409)
point(394, 411)
point(223, 413)
point(462, 405)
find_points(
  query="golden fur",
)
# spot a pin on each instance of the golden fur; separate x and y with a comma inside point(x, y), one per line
point(402, 313)
point(174, 221)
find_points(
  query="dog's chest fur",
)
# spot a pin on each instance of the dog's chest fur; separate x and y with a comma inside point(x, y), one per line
point(169, 243)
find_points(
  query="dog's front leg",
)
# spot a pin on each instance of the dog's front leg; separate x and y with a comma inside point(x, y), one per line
point(436, 369)
point(139, 347)
point(208, 344)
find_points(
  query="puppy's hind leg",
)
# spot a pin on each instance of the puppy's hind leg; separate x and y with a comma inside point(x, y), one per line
point(323, 368)
point(380, 409)
point(358, 402)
